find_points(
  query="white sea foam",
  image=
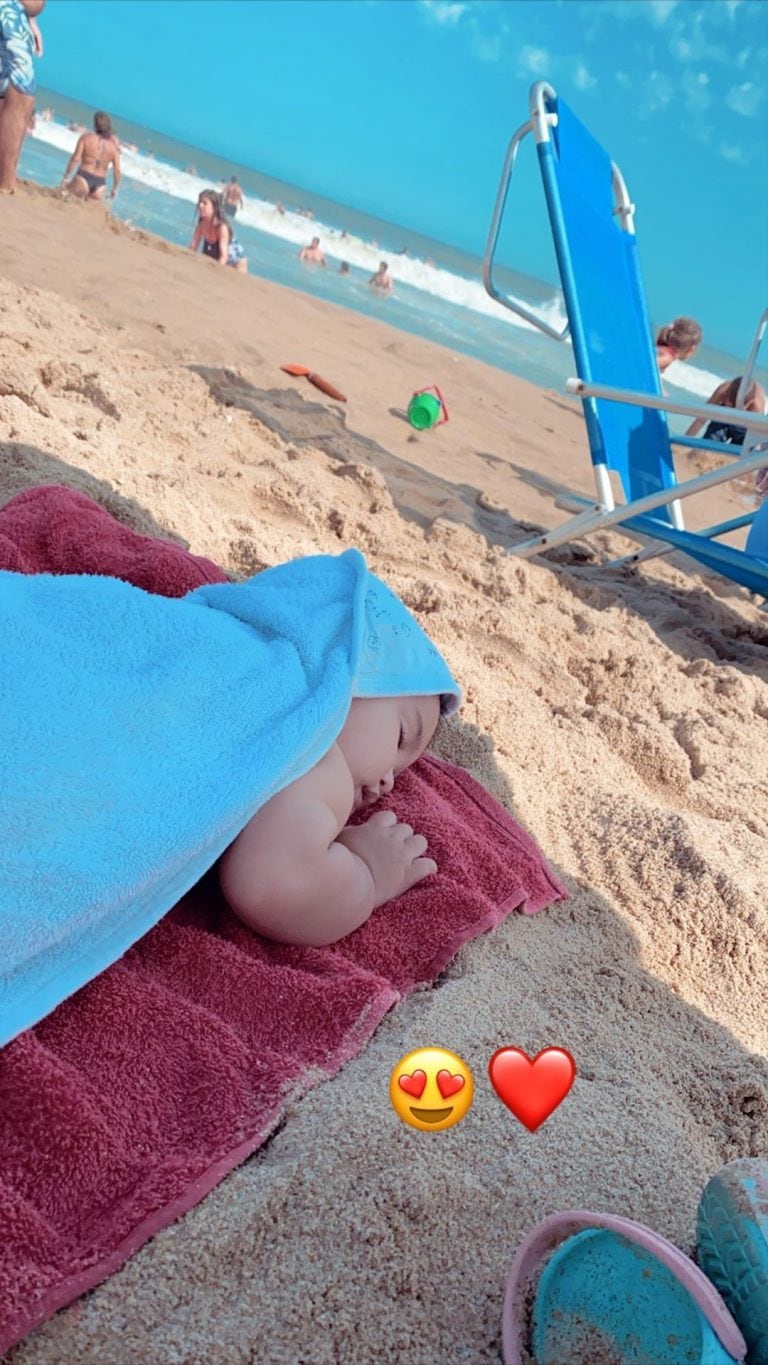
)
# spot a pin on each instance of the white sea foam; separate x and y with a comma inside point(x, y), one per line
point(701, 382)
point(293, 227)
point(435, 280)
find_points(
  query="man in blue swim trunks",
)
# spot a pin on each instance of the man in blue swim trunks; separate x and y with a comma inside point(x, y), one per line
point(20, 42)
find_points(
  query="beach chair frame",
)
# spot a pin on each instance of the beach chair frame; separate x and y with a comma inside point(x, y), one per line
point(658, 514)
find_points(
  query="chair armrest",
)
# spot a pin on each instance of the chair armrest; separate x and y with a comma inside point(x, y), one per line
point(737, 417)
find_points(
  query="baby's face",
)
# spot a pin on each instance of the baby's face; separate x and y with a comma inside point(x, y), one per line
point(381, 737)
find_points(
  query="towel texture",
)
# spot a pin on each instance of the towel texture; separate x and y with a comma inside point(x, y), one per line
point(104, 1139)
point(142, 733)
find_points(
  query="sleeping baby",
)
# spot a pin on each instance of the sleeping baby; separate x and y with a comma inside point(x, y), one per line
point(237, 728)
point(299, 873)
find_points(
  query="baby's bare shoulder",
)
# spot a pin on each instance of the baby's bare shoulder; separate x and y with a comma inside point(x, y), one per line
point(329, 783)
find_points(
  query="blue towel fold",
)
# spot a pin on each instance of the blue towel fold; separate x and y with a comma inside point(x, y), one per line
point(139, 734)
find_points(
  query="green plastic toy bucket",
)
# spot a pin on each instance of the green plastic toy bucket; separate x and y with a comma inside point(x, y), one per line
point(424, 411)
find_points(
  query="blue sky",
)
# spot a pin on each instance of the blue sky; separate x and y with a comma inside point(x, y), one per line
point(403, 108)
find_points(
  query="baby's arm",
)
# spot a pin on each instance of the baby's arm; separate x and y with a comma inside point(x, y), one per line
point(286, 876)
point(298, 875)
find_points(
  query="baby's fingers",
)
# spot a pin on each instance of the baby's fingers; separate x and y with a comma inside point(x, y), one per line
point(415, 845)
point(421, 868)
point(382, 818)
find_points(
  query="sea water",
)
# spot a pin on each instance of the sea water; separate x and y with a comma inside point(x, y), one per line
point(438, 294)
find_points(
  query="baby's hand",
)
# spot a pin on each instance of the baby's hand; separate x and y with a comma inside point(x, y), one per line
point(391, 852)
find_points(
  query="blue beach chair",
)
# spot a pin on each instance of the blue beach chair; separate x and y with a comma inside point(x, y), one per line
point(592, 221)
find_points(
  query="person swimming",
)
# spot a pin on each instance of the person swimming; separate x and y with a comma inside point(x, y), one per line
point(313, 253)
point(382, 279)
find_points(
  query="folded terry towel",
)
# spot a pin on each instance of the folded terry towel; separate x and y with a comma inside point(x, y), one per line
point(103, 1139)
point(142, 733)
point(56, 530)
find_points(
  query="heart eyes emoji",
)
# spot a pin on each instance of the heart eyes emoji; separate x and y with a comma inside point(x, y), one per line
point(431, 1089)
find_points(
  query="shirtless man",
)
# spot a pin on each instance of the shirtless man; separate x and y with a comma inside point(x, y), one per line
point(313, 253)
point(232, 197)
point(20, 42)
point(382, 279)
point(94, 154)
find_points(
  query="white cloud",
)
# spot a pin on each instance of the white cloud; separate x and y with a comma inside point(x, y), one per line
point(661, 10)
point(731, 7)
point(657, 93)
point(487, 49)
point(744, 56)
point(444, 11)
point(582, 79)
point(697, 96)
point(624, 80)
point(533, 61)
point(732, 152)
point(744, 99)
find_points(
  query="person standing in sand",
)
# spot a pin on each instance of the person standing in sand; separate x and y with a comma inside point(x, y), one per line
point(313, 253)
point(94, 154)
point(20, 42)
point(232, 197)
point(679, 340)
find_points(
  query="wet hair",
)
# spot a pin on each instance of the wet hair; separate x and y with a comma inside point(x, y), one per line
point(680, 335)
point(383, 265)
point(344, 267)
point(102, 123)
point(233, 180)
point(315, 241)
point(215, 199)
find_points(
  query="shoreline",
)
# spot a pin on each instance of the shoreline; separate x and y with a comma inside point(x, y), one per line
point(524, 428)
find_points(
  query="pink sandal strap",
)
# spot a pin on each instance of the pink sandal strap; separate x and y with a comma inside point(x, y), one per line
point(555, 1229)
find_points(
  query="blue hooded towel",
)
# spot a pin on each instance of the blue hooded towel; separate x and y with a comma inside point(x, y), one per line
point(139, 734)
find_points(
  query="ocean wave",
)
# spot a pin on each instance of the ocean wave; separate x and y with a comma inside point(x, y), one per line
point(690, 379)
point(294, 228)
point(426, 277)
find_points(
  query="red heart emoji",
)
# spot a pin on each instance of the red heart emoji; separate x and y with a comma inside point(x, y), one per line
point(413, 1085)
point(448, 1084)
point(532, 1090)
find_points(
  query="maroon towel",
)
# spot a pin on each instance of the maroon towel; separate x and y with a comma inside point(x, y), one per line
point(125, 1106)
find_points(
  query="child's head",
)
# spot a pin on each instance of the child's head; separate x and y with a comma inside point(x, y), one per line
point(381, 737)
point(209, 205)
point(681, 336)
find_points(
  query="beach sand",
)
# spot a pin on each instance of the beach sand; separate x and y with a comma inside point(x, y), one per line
point(620, 717)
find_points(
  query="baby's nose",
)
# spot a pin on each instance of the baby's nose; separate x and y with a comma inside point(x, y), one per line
point(387, 783)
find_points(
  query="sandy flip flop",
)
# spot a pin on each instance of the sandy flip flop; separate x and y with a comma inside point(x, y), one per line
point(612, 1293)
point(732, 1237)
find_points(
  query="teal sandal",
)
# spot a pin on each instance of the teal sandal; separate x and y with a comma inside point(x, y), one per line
point(612, 1291)
point(732, 1235)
